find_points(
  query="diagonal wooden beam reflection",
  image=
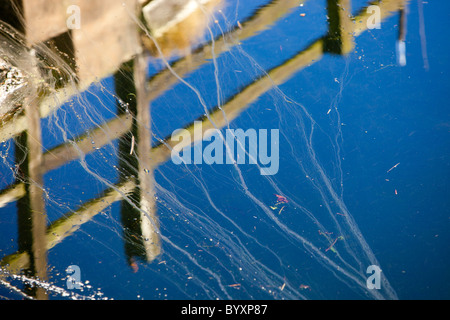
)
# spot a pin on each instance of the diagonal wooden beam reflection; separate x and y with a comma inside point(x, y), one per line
point(70, 223)
point(260, 21)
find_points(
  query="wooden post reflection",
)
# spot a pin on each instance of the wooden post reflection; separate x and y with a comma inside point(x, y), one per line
point(141, 234)
point(340, 33)
point(149, 219)
point(32, 218)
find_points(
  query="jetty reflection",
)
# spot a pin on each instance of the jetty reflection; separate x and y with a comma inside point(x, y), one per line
point(124, 53)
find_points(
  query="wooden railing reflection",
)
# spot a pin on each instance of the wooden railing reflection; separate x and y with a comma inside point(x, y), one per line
point(135, 189)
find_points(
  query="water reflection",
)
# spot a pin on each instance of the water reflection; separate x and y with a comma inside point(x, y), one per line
point(207, 232)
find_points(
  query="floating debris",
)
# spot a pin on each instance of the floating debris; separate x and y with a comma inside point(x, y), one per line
point(305, 287)
point(281, 198)
point(331, 247)
point(393, 168)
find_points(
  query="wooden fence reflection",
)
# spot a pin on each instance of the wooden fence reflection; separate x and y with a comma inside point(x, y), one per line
point(136, 191)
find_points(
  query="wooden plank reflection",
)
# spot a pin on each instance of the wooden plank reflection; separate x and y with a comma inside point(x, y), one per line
point(65, 226)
